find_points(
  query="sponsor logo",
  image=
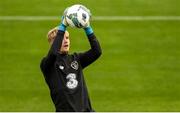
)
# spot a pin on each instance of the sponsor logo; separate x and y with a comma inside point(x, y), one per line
point(72, 82)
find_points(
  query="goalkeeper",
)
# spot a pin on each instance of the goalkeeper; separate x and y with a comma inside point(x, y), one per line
point(63, 72)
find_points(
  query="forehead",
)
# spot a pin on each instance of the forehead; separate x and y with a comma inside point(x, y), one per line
point(66, 34)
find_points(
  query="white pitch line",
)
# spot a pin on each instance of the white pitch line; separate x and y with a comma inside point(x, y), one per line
point(29, 18)
point(95, 18)
point(137, 18)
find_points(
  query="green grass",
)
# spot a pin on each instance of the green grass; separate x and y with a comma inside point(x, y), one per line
point(138, 71)
point(101, 7)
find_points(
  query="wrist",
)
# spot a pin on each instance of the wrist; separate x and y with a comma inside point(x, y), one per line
point(62, 27)
point(88, 30)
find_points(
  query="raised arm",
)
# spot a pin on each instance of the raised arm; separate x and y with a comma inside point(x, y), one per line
point(92, 54)
point(51, 56)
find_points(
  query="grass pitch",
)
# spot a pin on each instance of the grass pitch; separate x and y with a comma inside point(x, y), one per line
point(138, 71)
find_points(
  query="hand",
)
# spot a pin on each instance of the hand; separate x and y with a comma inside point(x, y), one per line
point(63, 18)
point(90, 15)
point(63, 21)
point(88, 29)
point(87, 25)
point(63, 24)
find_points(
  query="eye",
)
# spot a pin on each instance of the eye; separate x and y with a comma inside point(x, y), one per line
point(67, 37)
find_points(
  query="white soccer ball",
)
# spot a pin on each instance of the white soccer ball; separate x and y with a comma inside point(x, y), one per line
point(77, 16)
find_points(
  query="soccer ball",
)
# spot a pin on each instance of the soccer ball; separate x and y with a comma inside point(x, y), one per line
point(77, 16)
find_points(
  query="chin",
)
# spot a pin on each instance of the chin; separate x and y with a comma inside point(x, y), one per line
point(64, 52)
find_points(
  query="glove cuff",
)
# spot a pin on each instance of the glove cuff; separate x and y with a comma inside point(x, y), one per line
point(62, 27)
point(88, 30)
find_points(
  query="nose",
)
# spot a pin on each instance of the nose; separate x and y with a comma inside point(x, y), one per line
point(65, 42)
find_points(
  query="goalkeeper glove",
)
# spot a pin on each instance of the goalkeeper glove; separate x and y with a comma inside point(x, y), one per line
point(63, 24)
point(88, 29)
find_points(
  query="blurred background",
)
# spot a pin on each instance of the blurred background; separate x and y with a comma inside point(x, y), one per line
point(139, 69)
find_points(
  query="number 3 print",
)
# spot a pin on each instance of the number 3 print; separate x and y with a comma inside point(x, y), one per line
point(72, 82)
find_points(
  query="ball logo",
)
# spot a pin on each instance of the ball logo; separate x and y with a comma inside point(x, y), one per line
point(74, 65)
point(84, 17)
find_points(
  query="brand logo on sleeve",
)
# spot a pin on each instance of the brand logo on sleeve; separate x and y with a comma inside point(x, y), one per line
point(74, 65)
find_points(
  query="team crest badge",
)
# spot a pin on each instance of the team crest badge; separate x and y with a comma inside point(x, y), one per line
point(74, 65)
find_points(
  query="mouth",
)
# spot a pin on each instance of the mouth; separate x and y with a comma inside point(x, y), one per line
point(66, 45)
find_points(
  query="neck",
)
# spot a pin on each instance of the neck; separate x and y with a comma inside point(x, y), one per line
point(64, 52)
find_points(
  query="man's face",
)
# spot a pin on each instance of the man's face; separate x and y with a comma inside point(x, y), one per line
point(65, 43)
